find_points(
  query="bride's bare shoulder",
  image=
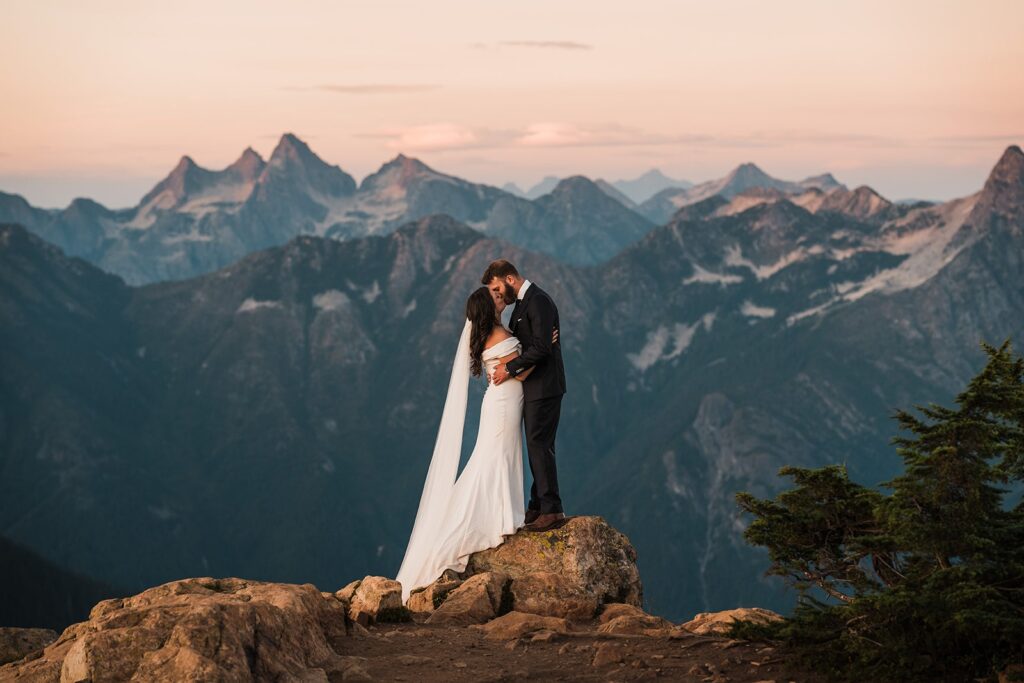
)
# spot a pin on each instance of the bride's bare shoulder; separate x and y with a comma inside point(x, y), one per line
point(498, 335)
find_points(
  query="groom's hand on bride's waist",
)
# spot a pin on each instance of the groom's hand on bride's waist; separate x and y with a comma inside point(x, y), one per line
point(500, 374)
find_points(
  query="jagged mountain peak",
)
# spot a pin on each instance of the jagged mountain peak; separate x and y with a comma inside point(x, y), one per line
point(866, 193)
point(185, 164)
point(84, 205)
point(823, 181)
point(581, 191)
point(408, 165)
point(1000, 203)
point(747, 170)
point(743, 177)
point(291, 148)
point(861, 202)
point(575, 183)
point(249, 165)
point(186, 177)
point(293, 152)
point(399, 172)
point(654, 174)
point(1008, 173)
point(294, 170)
point(512, 188)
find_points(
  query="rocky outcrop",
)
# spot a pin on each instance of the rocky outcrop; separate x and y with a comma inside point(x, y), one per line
point(15, 643)
point(566, 573)
point(552, 587)
point(479, 599)
point(553, 595)
point(517, 624)
point(719, 622)
point(630, 620)
point(373, 599)
point(430, 598)
point(587, 552)
point(200, 629)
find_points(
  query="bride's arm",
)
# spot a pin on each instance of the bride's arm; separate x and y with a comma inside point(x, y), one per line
point(522, 375)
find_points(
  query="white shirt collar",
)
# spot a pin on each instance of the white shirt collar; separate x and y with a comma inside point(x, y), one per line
point(522, 290)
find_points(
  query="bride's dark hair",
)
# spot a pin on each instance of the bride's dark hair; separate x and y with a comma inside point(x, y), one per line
point(483, 315)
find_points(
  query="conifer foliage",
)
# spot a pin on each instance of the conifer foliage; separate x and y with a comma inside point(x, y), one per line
point(923, 580)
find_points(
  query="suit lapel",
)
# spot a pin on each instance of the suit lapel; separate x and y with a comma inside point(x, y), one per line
point(516, 313)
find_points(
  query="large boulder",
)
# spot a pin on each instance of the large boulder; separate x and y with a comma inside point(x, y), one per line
point(479, 599)
point(373, 599)
point(586, 550)
point(516, 624)
point(631, 620)
point(200, 629)
point(553, 595)
point(716, 623)
point(426, 600)
point(15, 643)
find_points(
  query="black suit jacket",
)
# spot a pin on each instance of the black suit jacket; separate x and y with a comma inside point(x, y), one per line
point(533, 320)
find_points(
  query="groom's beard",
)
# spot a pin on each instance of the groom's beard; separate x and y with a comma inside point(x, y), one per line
point(509, 295)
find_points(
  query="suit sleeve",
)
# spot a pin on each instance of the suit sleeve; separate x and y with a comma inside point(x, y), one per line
point(537, 347)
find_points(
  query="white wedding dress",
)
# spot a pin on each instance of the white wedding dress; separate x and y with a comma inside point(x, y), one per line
point(459, 517)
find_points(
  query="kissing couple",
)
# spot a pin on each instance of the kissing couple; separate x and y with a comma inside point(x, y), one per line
point(525, 384)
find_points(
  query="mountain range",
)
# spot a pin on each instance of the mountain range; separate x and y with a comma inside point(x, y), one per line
point(662, 205)
point(630, 192)
point(273, 418)
point(197, 220)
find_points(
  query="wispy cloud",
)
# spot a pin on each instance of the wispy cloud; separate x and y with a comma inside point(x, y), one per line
point(441, 137)
point(976, 139)
point(367, 88)
point(557, 134)
point(556, 44)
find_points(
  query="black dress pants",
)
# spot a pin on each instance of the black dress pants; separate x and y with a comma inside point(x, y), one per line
point(540, 418)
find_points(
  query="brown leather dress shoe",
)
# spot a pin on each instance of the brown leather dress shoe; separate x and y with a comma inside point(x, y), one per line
point(546, 522)
point(531, 515)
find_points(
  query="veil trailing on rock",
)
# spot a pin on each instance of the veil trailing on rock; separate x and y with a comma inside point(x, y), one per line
point(441, 476)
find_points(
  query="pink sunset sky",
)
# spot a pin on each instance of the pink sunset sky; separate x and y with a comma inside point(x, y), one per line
point(917, 99)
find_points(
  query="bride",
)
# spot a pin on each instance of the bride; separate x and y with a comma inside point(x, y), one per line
point(459, 517)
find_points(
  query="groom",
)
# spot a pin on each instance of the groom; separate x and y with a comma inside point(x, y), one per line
point(533, 319)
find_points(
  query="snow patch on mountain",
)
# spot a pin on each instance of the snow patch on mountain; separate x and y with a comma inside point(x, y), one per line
point(665, 343)
point(373, 213)
point(251, 304)
point(371, 293)
point(928, 248)
point(708, 277)
point(752, 310)
point(331, 300)
point(734, 257)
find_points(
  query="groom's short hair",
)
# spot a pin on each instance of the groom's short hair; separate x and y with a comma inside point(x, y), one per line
point(498, 269)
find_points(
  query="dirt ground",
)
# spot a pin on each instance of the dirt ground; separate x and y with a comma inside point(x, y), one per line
point(414, 651)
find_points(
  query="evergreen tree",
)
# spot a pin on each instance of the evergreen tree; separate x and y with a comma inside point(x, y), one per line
point(927, 582)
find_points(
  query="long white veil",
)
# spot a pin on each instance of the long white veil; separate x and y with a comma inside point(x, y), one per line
point(444, 466)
